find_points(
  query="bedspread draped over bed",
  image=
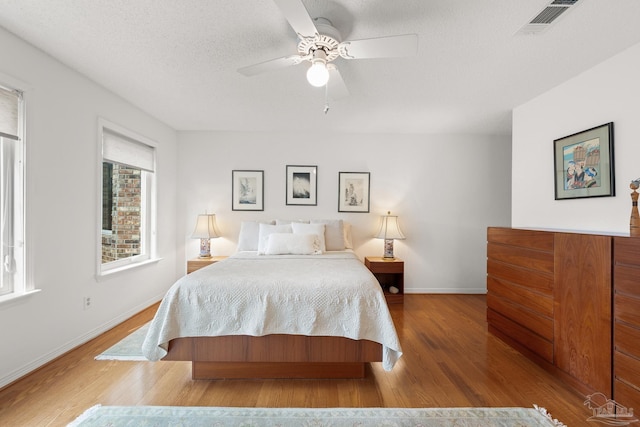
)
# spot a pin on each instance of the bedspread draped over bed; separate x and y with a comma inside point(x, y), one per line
point(248, 294)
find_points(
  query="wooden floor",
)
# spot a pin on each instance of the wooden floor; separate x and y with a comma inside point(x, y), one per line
point(449, 361)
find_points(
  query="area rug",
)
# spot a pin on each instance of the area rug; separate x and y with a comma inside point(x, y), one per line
point(165, 416)
point(129, 348)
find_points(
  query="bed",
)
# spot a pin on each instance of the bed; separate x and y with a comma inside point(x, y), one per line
point(287, 315)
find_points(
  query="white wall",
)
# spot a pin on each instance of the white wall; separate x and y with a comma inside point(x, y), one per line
point(446, 190)
point(609, 92)
point(62, 112)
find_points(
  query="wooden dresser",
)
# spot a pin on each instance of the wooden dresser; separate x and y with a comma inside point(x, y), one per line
point(549, 295)
point(626, 312)
point(520, 289)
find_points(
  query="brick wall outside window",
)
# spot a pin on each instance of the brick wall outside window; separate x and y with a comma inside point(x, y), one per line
point(124, 239)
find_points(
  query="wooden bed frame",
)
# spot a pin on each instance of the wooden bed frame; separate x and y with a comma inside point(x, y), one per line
point(274, 356)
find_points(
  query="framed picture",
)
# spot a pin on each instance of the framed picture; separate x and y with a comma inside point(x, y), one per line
point(353, 191)
point(247, 190)
point(302, 185)
point(584, 164)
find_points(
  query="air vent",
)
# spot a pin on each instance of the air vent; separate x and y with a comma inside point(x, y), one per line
point(547, 16)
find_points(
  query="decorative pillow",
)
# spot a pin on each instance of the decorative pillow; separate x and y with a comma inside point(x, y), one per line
point(265, 231)
point(348, 239)
point(289, 221)
point(248, 237)
point(318, 229)
point(290, 243)
point(333, 233)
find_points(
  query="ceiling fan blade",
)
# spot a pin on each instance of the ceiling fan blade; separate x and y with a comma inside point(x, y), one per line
point(298, 17)
point(273, 64)
point(336, 89)
point(382, 47)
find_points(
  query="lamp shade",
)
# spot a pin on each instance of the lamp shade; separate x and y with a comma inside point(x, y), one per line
point(389, 228)
point(205, 227)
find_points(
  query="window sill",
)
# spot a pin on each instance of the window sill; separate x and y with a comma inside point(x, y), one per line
point(5, 299)
point(114, 271)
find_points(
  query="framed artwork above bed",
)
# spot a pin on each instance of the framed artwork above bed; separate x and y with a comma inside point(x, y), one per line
point(247, 190)
point(353, 191)
point(302, 185)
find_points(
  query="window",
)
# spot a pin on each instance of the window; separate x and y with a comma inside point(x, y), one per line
point(127, 220)
point(12, 264)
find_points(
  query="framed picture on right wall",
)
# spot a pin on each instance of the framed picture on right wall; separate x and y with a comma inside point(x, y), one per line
point(584, 164)
point(353, 191)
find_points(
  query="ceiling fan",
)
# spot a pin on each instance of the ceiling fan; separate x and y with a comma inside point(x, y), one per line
point(320, 44)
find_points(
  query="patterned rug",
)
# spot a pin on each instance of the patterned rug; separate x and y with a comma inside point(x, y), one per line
point(129, 348)
point(165, 416)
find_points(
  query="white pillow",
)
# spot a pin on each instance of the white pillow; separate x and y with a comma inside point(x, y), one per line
point(265, 231)
point(289, 221)
point(248, 237)
point(348, 239)
point(290, 243)
point(318, 229)
point(333, 233)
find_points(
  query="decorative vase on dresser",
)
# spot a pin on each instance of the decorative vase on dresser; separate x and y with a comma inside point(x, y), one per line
point(634, 223)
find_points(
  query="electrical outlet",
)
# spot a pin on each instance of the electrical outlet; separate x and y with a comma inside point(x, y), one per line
point(87, 303)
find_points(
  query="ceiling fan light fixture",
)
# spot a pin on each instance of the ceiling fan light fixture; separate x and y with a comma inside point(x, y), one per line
point(318, 74)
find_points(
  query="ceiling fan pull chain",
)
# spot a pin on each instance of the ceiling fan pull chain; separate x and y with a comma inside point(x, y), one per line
point(326, 98)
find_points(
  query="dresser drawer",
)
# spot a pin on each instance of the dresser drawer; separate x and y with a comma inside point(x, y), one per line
point(627, 279)
point(521, 257)
point(627, 309)
point(627, 250)
point(540, 240)
point(627, 369)
point(385, 266)
point(533, 321)
point(539, 280)
point(626, 395)
point(626, 339)
point(523, 336)
point(538, 302)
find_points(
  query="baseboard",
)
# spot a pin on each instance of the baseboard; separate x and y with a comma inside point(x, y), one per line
point(83, 339)
point(446, 291)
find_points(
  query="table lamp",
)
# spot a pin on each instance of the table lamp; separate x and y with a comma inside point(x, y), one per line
point(205, 230)
point(389, 231)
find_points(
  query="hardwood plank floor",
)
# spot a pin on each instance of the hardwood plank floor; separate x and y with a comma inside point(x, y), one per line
point(450, 360)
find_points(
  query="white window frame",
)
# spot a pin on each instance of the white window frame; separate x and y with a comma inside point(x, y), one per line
point(148, 232)
point(22, 284)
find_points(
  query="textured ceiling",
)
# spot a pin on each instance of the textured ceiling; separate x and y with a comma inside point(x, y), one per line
point(178, 59)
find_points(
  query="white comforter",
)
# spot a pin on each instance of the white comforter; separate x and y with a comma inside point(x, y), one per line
point(247, 294)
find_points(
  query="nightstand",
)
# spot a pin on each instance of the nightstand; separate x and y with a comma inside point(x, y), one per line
point(389, 272)
point(198, 263)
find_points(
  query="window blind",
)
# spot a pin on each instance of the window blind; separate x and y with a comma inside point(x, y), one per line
point(126, 151)
point(11, 197)
point(9, 113)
